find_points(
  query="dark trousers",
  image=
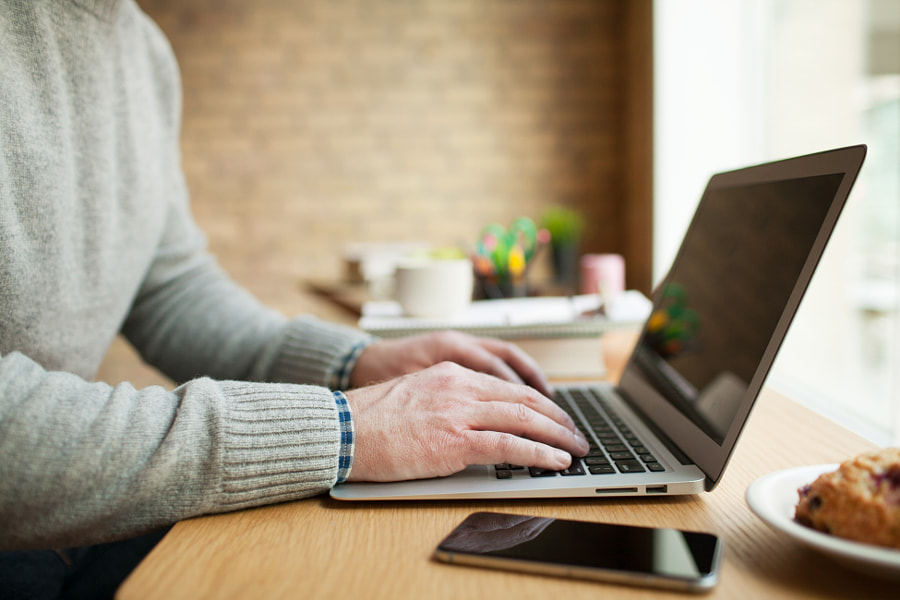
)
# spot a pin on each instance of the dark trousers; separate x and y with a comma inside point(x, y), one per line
point(86, 572)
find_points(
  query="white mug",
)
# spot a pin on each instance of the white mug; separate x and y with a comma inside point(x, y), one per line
point(435, 288)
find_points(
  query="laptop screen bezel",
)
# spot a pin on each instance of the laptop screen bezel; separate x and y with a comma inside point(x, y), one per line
point(704, 451)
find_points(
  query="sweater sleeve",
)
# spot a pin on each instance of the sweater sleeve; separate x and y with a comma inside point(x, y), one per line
point(86, 462)
point(200, 323)
point(190, 319)
point(101, 197)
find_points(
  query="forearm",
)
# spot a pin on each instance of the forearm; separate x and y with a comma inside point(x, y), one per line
point(192, 320)
point(85, 462)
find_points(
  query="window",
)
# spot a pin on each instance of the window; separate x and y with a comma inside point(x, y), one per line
point(740, 82)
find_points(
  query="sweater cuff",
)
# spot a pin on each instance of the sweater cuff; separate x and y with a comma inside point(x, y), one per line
point(315, 352)
point(279, 442)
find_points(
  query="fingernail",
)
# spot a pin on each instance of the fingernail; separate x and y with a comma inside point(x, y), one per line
point(583, 441)
point(564, 458)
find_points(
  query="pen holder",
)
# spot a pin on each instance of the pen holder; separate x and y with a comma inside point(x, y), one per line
point(490, 288)
point(503, 257)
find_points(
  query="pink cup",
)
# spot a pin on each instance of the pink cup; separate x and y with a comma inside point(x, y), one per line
point(602, 274)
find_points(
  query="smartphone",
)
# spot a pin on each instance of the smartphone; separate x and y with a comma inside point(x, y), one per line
point(645, 556)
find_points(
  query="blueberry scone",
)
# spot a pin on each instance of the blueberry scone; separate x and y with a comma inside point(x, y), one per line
point(859, 501)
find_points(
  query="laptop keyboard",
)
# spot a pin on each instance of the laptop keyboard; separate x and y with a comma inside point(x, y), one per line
point(614, 447)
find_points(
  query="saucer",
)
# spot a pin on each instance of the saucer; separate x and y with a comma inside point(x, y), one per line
point(773, 498)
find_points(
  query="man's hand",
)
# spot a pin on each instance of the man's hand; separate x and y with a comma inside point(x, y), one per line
point(437, 421)
point(386, 359)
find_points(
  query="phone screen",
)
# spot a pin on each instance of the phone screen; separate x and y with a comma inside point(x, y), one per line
point(621, 553)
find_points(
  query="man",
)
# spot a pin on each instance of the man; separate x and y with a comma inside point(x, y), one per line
point(96, 238)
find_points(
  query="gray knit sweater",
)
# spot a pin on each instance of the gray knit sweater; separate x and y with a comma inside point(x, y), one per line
point(96, 237)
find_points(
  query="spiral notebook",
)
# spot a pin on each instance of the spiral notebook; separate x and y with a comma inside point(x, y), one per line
point(517, 318)
point(562, 333)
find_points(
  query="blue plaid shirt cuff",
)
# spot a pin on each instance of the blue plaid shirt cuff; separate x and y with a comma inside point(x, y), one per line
point(340, 380)
point(345, 418)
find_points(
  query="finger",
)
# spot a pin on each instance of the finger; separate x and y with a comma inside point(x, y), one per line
point(480, 358)
point(521, 362)
point(520, 420)
point(488, 355)
point(493, 447)
point(486, 388)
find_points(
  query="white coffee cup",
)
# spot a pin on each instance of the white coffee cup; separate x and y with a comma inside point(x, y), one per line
point(433, 287)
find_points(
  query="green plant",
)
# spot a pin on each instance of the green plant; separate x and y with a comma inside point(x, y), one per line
point(564, 224)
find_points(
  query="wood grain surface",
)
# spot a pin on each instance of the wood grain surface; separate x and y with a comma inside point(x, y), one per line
point(322, 548)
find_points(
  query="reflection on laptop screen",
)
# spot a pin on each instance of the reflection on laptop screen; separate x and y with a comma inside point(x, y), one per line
point(706, 337)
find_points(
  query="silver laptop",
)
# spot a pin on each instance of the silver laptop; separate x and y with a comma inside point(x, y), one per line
point(719, 316)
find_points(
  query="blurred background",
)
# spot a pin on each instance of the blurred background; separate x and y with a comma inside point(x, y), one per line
point(313, 124)
point(744, 81)
point(310, 124)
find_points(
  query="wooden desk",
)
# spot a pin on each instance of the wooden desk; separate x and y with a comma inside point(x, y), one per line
point(321, 548)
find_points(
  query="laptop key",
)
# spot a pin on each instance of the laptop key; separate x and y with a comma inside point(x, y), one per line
point(537, 472)
point(606, 469)
point(617, 456)
point(617, 448)
point(620, 442)
point(504, 474)
point(630, 466)
point(574, 469)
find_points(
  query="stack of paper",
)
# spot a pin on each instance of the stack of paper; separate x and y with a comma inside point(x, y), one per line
point(561, 333)
point(514, 318)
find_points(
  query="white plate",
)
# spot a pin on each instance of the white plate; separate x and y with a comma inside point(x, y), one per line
point(773, 498)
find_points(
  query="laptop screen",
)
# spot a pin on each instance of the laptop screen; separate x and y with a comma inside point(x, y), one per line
point(715, 314)
point(724, 308)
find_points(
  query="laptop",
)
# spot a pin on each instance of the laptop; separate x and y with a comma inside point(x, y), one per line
point(670, 425)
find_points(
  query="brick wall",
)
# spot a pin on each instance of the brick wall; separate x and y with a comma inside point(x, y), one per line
point(312, 123)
